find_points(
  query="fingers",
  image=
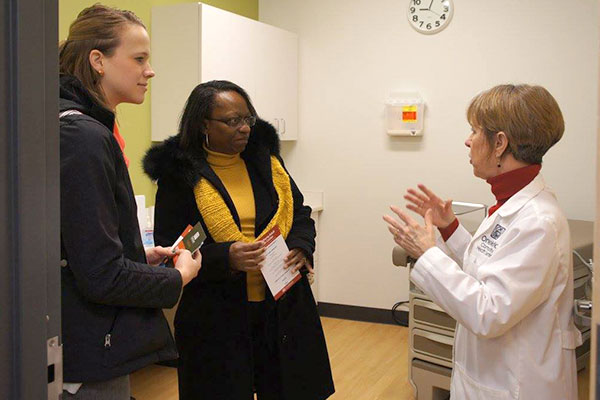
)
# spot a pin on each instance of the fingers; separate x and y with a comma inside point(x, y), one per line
point(415, 209)
point(448, 205)
point(249, 250)
point(247, 247)
point(253, 268)
point(427, 192)
point(407, 219)
point(295, 259)
point(309, 267)
point(292, 253)
point(391, 221)
point(416, 196)
point(297, 265)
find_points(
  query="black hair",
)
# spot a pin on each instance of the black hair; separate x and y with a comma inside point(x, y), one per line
point(198, 107)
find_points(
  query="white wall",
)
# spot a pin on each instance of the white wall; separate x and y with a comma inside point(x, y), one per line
point(354, 52)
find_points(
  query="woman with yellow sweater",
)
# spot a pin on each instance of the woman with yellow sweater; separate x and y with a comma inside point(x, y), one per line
point(223, 169)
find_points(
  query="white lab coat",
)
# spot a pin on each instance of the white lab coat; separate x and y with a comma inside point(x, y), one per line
point(512, 299)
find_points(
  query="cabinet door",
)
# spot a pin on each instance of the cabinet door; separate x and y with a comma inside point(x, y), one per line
point(277, 79)
point(228, 48)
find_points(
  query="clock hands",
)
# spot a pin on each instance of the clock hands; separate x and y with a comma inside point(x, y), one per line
point(429, 9)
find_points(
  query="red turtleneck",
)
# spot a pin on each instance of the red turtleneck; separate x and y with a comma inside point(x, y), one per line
point(121, 142)
point(504, 186)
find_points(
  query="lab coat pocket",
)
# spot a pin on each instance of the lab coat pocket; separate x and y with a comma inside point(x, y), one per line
point(466, 388)
point(571, 339)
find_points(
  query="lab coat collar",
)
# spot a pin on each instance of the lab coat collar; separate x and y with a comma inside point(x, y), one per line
point(512, 205)
point(519, 199)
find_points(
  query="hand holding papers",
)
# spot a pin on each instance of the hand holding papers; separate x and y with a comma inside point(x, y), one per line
point(190, 239)
point(278, 278)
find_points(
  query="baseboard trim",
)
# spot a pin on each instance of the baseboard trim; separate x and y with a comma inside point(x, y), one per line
point(365, 314)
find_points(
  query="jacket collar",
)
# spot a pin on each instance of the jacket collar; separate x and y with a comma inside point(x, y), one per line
point(73, 96)
point(167, 159)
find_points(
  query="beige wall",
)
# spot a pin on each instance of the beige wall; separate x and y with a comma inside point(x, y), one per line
point(134, 120)
point(353, 53)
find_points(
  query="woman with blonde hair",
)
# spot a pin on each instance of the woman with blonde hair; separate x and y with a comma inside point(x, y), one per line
point(511, 288)
point(112, 291)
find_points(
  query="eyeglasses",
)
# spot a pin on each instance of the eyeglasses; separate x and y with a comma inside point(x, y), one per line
point(237, 122)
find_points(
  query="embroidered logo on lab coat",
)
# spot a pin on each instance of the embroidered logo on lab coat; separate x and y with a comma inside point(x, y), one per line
point(498, 230)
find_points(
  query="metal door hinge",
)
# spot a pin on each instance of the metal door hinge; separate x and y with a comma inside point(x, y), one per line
point(55, 369)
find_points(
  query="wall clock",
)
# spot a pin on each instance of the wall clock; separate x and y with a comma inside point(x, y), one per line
point(429, 16)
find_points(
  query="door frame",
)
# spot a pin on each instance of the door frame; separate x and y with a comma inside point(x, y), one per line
point(29, 196)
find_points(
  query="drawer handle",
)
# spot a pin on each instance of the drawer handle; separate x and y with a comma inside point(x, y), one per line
point(428, 304)
point(434, 337)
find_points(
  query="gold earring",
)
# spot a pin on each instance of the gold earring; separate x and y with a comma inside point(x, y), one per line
point(498, 161)
point(101, 72)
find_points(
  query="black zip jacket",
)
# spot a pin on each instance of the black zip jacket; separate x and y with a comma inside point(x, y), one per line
point(112, 322)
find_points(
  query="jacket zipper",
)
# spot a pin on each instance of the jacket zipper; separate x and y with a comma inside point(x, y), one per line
point(108, 336)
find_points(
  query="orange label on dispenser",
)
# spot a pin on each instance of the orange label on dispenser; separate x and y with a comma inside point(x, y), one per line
point(409, 114)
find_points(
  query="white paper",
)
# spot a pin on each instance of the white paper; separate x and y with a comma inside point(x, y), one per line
point(279, 279)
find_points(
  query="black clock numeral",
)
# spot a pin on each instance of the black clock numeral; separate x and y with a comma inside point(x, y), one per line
point(437, 24)
point(428, 26)
point(417, 2)
point(446, 9)
point(443, 16)
point(412, 10)
point(415, 18)
point(421, 24)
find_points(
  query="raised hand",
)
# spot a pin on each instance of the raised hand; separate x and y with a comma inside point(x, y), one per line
point(408, 234)
point(424, 199)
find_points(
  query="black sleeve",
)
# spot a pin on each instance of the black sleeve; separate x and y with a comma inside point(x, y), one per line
point(90, 226)
point(175, 208)
point(302, 235)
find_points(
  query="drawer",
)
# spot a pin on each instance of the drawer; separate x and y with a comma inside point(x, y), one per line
point(580, 271)
point(579, 288)
point(582, 353)
point(428, 313)
point(432, 344)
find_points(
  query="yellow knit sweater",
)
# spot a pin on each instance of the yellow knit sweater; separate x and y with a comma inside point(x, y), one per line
point(231, 170)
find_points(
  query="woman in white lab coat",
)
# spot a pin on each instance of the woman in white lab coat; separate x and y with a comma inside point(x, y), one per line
point(510, 285)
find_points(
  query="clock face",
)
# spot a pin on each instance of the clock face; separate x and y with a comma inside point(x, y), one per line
point(430, 16)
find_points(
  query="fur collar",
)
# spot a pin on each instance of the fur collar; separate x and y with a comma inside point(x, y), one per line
point(167, 159)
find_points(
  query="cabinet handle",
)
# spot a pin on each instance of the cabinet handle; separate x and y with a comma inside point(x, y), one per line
point(276, 124)
point(282, 119)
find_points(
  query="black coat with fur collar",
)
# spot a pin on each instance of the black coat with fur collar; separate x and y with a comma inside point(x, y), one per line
point(211, 324)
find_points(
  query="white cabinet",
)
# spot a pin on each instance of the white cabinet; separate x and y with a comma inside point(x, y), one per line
point(194, 43)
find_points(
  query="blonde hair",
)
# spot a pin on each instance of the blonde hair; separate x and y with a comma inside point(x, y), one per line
point(528, 115)
point(96, 28)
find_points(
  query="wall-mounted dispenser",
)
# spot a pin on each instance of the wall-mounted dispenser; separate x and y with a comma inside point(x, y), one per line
point(404, 114)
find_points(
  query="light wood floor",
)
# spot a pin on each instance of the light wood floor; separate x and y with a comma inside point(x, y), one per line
point(369, 362)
